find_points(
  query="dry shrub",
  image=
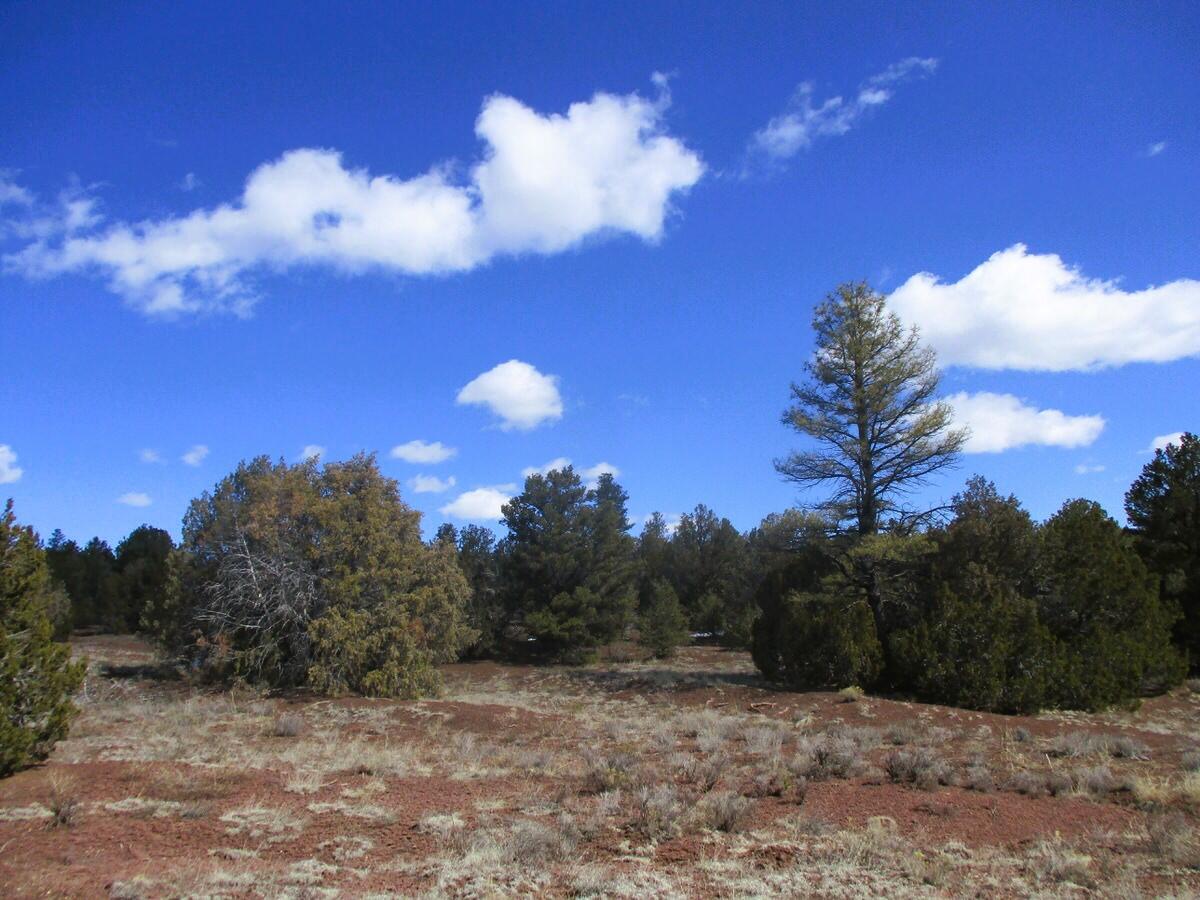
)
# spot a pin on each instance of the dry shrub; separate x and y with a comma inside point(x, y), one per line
point(764, 741)
point(1059, 783)
point(703, 771)
point(1058, 862)
point(978, 778)
point(917, 766)
point(776, 782)
point(1173, 838)
point(1031, 784)
point(656, 811)
point(722, 811)
point(1096, 781)
point(605, 772)
point(851, 694)
point(1082, 743)
point(64, 806)
point(1190, 761)
point(932, 868)
point(1022, 735)
point(289, 725)
point(902, 733)
point(537, 843)
point(832, 757)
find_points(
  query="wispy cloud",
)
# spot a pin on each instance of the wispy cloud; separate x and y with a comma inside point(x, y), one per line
point(806, 119)
point(543, 184)
point(151, 456)
point(1157, 148)
point(311, 451)
point(423, 452)
point(431, 484)
point(1088, 468)
point(135, 498)
point(195, 455)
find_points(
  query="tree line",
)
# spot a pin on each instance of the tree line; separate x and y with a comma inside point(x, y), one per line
point(317, 576)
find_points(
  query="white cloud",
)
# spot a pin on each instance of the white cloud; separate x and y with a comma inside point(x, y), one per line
point(560, 462)
point(431, 484)
point(1088, 468)
point(423, 452)
point(1033, 312)
point(1001, 422)
point(9, 470)
point(1156, 148)
point(1163, 440)
point(196, 455)
point(12, 193)
point(149, 455)
point(189, 182)
point(543, 183)
point(313, 452)
point(518, 393)
point(795, 130)
point(135, 498)
point(481, 504)
point(590, 475)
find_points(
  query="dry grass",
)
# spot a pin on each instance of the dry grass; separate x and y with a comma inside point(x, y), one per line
point(312, 797)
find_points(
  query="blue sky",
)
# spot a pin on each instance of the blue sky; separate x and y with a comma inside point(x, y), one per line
point(516, 183)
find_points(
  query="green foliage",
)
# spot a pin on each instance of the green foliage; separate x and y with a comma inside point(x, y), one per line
point(485, 611)
point(662, 625)
point(108, 590)
point(826, 640)
point(37, 677)
point(568, 565)
point(1102, 604)
point(710, 571)
point(141, 564)
point(318, 574)
point(1163, 508)
point(989, 612)
point(870, 402)
point(816, 629)
point(981, 649)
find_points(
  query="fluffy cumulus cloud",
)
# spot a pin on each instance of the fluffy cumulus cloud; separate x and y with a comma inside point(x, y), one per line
point(313, 452)
point(431, 484)
point(479, 505)
point(423, 452)
point(195, 455)
point(805, 120)
point(9, 470)
point(1001, 422)
point(543, 183)
point(517, 393)
point(1029, 311)
point(134, 498)
point(1162, 441)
